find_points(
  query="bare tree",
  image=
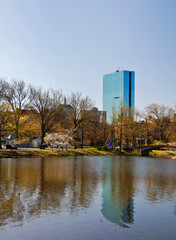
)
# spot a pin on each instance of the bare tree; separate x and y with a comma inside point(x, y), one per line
point(46, 105)
point(85, 115)
point(80, 112)
point(3, 86)
point(119, 118)
point(161, 117)
point(17, 94)
point(98, 131)
point(75, 101)
point(125, 124)
point(5, 121)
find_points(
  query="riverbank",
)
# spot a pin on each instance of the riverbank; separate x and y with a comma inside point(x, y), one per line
point(46, 153)
point(159, 153)
point(30, 152)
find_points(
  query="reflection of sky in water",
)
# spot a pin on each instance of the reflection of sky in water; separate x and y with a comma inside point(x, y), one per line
point(88, 198)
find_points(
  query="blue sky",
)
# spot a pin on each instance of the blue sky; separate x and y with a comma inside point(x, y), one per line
point(71, 44)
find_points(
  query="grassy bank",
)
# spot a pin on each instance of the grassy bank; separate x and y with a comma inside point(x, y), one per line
point(77, 152)
point(47, 153)
point(163, 153)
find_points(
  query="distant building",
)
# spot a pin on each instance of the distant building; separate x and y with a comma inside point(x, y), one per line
point(118, 86)
point(101, 115)
point(98, 115)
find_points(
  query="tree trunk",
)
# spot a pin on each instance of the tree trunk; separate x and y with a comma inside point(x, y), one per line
point(146, 134)
point(17, 132)
point(82, 137)
point(42, 137)
point(0, 139)
point(120, 139)
point(95, 137)
point(104, 135)
point(75, 124)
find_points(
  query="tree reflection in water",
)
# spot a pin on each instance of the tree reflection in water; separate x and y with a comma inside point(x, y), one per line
point(31, 187)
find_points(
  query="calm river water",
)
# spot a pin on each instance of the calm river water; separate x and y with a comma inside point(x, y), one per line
point(88, 198)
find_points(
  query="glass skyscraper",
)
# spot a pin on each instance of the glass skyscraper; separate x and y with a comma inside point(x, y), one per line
point(118, 86)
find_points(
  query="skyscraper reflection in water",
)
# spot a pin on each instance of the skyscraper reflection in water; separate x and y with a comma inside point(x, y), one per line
point(117, 194)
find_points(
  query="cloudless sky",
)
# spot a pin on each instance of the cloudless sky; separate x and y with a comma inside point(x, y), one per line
point(71, 44)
